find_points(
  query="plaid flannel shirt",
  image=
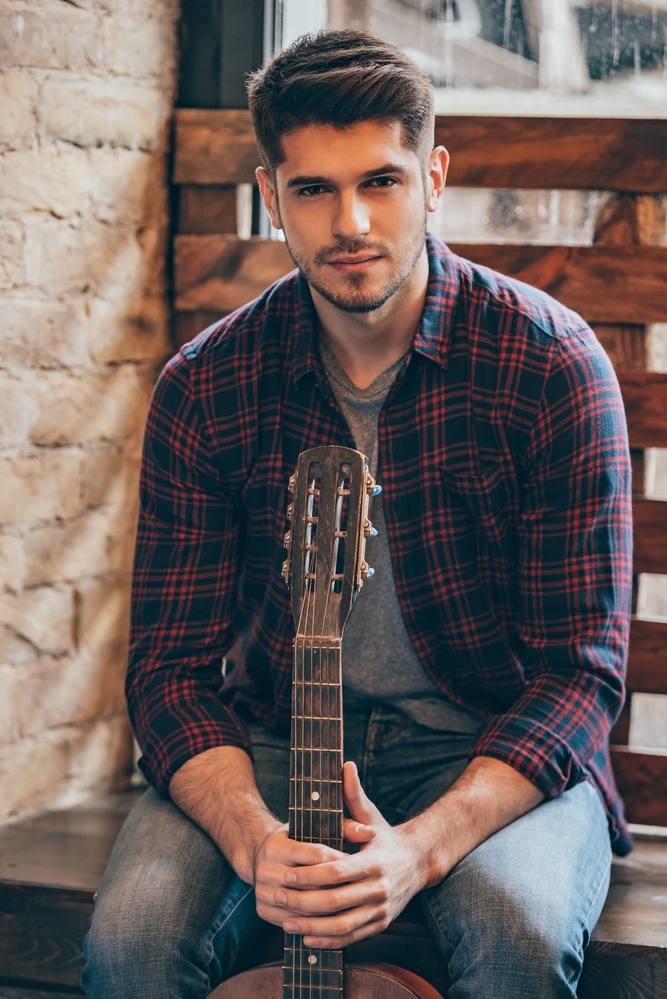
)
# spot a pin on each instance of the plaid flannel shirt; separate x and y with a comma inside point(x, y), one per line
point(504, 464)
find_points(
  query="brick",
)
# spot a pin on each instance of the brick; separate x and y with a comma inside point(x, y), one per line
point(111, 476)
point(83, 408)
point(68, 691)
point(43, 333)
point(103, 611)
point(13, 648)
point(55, 36)
point(12, 268)
point(19, 409)
point(140, 48)
point(56, 181)
point(9, 721)
point(93, 544)
point(91, 257)
point(93, 112)
point(43, 764)
point(12, 561)
point(17, 120)
point(132, 330)
point(128, 186)
point(102, 754)
point(24, 496)
point(42, 616)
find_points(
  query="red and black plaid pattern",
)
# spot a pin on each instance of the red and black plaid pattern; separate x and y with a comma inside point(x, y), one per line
point(506, 484)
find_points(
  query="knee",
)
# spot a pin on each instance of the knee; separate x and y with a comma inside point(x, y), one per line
point(140, 956)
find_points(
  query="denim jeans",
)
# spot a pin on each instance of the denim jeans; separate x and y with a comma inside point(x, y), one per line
point(511, 920)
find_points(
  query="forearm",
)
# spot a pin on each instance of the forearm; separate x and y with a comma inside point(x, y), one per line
point(217, 790)
point(487, 796)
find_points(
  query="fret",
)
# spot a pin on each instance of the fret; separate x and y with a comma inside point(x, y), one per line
point(309, 973)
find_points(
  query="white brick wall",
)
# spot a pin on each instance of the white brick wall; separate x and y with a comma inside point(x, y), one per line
point(86, 92)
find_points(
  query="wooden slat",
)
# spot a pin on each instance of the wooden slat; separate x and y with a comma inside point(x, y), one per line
point(214, 147)
point(645, 399)
point(650, 535)
point(218, 147)
point(647, 669)
point(207, 209)
point(566, 153)
point(642, 781)
point(614, 284)
point(606, 284)
point(221, 273)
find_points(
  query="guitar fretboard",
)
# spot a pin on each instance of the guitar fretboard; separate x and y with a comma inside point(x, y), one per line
point(316, 797)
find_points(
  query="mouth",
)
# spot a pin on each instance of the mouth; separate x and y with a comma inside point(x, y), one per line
point(353, 264)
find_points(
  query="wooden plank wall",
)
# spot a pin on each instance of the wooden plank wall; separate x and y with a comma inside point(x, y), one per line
point(618, 284)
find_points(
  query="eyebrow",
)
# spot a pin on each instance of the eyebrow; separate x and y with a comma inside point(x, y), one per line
point(308, 181)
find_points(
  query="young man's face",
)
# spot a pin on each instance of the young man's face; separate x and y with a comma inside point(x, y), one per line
point(352, 204)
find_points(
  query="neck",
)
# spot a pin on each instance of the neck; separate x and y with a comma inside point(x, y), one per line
point(367, 343)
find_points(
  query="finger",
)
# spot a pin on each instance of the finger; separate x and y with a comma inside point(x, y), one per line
point(352, 867)
point(325, 902)
point(357, 832)
point(340, 930)
point(361, 807)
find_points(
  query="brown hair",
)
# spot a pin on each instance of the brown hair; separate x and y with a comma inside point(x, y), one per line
point(339, 78)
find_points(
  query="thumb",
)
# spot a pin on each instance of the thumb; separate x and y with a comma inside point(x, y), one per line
point(361, 807)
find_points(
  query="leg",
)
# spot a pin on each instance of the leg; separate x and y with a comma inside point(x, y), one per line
point(171, 918)
point(514, 917)
point(166, 895)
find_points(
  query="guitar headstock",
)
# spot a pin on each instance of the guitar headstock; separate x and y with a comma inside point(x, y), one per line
point(325, 566)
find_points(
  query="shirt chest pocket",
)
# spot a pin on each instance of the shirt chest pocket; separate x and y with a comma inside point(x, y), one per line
point(485, 502)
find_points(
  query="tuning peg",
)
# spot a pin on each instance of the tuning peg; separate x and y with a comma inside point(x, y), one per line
point(288, 539)
point(369, 530)
point(372, 486)
point(366, 571)
point(290, 510)
point(291, 483)
point(285, 571)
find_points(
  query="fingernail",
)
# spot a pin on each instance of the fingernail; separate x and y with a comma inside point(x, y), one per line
point(289, 926)
point(290, 877)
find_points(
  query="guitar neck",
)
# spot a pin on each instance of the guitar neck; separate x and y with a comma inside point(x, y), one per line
point(316, 753)
point(316, 797)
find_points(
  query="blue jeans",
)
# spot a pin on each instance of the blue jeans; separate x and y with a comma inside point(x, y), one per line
point(511, 920)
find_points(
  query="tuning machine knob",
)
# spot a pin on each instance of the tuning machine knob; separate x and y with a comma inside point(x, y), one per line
point(366, 571)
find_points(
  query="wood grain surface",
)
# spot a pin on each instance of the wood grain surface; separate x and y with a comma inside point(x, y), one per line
point(218, 147)
point(606, 284)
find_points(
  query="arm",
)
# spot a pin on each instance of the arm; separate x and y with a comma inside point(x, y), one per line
point(573, 575)
point(189, 543)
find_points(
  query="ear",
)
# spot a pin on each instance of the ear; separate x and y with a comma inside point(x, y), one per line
point(267, 188)
point(436, 176)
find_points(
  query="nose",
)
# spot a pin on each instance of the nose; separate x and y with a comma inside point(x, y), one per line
point(352, 218)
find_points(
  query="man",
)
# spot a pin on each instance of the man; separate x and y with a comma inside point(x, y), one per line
point(483, 666)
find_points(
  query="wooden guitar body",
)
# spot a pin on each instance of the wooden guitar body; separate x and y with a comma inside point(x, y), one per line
point(372, 981)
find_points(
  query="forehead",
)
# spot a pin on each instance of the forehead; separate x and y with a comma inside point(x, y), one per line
point(324, 150)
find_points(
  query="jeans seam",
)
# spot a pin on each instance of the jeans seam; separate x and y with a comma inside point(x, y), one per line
point(223, 923)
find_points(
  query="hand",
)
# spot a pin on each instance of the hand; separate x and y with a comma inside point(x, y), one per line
point(333, 899)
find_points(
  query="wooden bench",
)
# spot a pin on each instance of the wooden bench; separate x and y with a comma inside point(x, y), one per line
point(50, 866)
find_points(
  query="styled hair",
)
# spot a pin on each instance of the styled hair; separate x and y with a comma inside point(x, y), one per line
point(339, 78)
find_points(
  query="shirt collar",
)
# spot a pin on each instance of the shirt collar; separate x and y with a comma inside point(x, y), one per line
point(432, 336)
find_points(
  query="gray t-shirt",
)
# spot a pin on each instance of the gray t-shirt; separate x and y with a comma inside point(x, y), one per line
point(380, 664)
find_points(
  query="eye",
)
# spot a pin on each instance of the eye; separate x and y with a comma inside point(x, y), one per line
point(311, 191)
point(382, 182)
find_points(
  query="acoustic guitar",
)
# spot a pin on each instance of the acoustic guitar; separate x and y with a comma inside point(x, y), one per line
point(325, 569)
